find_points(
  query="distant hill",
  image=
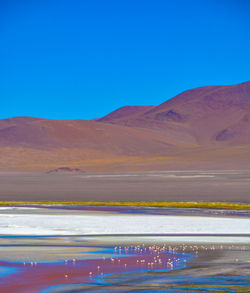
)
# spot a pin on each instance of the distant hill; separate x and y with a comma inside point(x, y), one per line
point(207, 127)
point(206, 115)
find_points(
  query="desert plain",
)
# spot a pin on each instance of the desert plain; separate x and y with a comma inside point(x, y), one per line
point(205, 186)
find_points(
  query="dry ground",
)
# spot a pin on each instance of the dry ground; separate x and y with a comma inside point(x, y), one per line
point(229, 186)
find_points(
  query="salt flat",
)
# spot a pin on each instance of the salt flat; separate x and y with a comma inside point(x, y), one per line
point(25, 221)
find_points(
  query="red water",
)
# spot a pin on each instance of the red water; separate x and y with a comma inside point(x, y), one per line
point(33, 277)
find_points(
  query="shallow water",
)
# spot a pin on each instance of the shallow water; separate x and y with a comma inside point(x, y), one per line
point(176, 262)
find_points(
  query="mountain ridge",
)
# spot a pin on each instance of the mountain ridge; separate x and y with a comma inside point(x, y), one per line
point(204, 119)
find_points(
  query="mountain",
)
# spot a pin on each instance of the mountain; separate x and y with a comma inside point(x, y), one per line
point(207, 115)
point(207, 127)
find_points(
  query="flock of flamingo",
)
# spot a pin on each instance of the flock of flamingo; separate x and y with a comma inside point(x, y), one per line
point(112, 261)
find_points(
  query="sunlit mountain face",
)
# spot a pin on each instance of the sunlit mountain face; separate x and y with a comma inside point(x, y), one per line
point(199, 124)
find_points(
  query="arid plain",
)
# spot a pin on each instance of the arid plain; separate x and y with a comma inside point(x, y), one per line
point(164, 186)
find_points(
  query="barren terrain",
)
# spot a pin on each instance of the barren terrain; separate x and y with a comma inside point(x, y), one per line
point(228, 186)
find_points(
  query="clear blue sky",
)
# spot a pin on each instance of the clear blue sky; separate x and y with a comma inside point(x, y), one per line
point(67, 59)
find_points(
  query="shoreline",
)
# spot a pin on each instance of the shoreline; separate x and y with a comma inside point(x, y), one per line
point(200, 205)
point(124, 262)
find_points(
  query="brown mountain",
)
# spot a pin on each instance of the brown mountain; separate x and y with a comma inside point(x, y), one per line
point(206, 115)
point(207, 127)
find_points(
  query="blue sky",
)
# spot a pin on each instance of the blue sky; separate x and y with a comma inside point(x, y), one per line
point(81, 59)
